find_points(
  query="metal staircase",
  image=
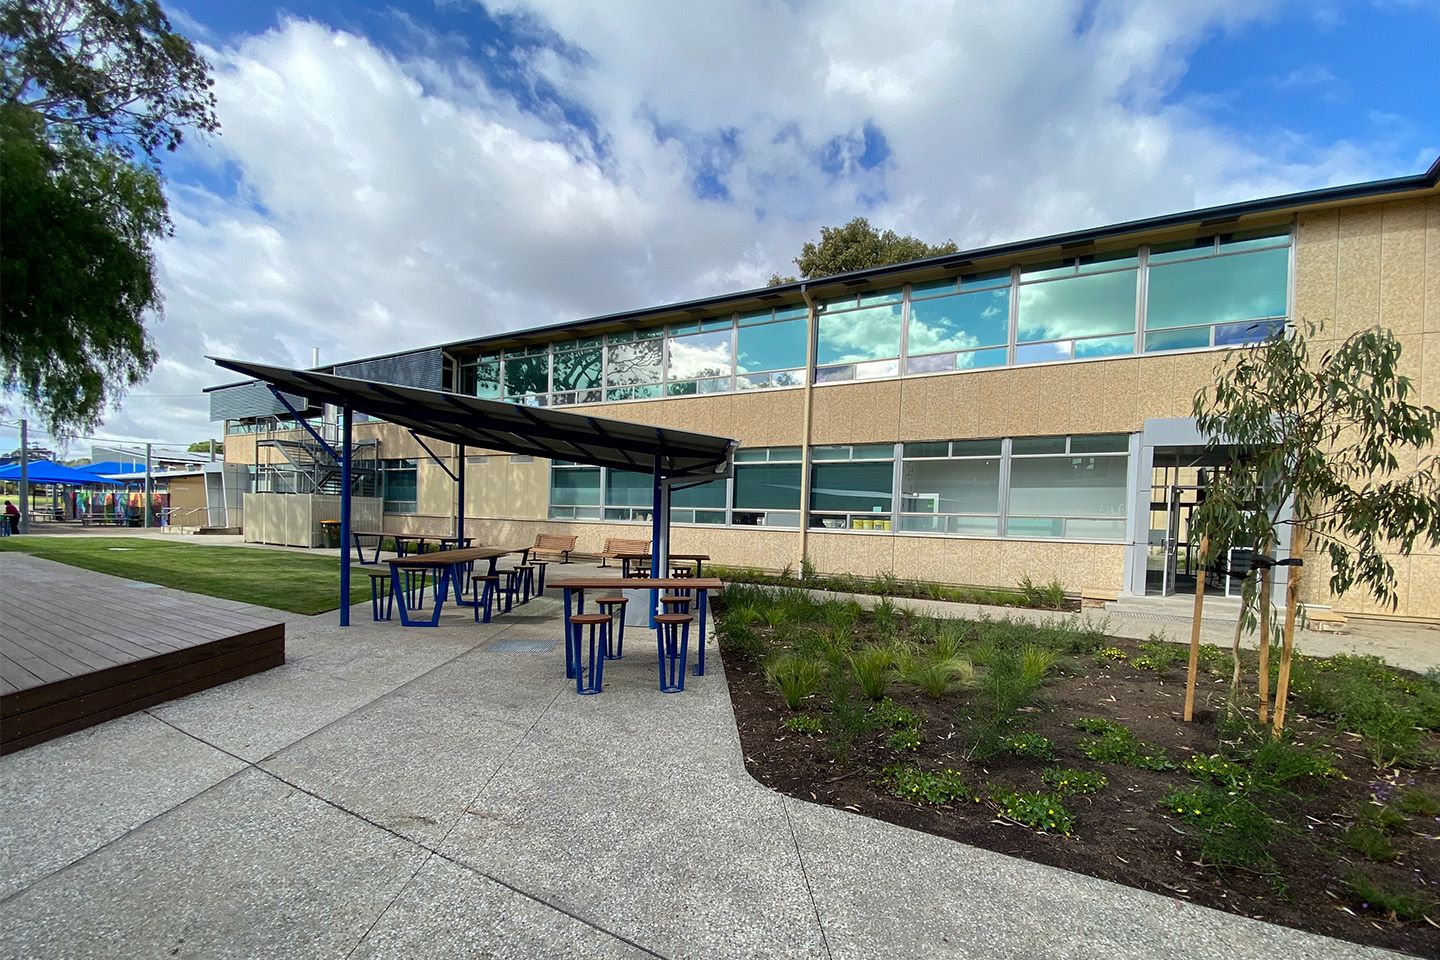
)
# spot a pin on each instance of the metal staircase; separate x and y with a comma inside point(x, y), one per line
point(305, 466)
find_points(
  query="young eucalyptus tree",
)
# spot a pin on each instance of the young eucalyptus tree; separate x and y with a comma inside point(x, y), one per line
point(1332, 446)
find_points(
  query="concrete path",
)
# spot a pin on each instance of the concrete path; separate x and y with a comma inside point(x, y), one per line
point(443, 793)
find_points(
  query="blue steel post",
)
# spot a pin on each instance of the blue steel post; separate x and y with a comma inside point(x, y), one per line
point(655, 540)
point(459, 494)
point(345, 516)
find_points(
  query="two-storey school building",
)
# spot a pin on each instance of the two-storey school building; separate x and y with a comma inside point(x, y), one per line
point(1011, 411)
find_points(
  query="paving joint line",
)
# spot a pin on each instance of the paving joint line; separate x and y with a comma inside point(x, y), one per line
point(149, 712)
point(804, 872)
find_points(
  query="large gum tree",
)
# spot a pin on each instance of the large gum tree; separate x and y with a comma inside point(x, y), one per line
point(92, 93)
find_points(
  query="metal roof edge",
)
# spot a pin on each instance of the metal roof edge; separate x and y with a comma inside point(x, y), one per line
point(1428, 179)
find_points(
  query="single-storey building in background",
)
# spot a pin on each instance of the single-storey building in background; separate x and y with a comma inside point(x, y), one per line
point(1011, 411)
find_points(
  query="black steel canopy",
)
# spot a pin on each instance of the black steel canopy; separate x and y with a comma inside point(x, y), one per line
point(508, 427)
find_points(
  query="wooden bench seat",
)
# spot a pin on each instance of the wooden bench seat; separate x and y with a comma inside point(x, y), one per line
point(614, 546)
point(554, 544)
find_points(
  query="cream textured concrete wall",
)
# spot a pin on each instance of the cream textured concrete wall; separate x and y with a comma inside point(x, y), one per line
point(187, 500)
point(1361, 266)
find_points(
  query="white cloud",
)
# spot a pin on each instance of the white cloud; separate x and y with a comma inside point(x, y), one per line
point(384, 201)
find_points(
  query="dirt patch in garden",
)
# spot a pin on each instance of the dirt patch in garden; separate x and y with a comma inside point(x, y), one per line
point(1123, 833)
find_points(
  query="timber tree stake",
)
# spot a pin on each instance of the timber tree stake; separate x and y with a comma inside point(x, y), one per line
point(1195, 632)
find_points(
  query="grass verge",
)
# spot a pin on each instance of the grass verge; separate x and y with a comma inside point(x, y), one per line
point(268, 578)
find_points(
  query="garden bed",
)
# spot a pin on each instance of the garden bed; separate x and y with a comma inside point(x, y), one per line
point(1025, 595)
point(1331, 830)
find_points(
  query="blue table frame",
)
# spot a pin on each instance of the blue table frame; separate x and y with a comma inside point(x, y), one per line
point(445, 574)
point(574, 602)
point(400, 541)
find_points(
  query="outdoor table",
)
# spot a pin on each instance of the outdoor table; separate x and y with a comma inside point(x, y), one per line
point(400, 541)
point(644, 558)
point(577, 586)
point(448, 566)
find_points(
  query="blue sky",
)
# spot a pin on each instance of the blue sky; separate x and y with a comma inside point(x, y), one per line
point(398, 174)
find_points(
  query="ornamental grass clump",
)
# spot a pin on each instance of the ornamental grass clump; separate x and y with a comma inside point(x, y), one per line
point(795, 677)
point(1393, 904)
point(872, 666)
point(932, 674)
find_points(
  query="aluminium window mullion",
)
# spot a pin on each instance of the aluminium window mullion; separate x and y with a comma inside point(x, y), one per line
point(1002, 528)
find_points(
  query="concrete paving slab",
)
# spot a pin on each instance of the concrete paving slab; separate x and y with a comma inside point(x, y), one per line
point(449, 911)
point(66, 798)
point(689, 867)
point(883, 890)
point(258, 715)
point(507, 687)
point(412, 767)
point(251, 868)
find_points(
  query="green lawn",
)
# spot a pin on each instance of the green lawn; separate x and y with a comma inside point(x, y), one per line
point(270, 578)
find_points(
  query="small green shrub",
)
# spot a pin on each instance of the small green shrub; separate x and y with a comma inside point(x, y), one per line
point(1031, 746)
point(1110, 654)
point(742, 639)
point(1226, 773)
point(1217, 662)
point(1157, 655)
point(1389, 710)
point(889, 714)
point(848, 719)
point(795, 677)
point(1275, 764)
point(872, 667)
point(1067, 780)
point(806, 723)
point(1230, 830)
point(1369, 840)
point(903, 740)
point(1041, 811)
point(937, 787)
point(1416, 802)
point(1051, 596)
point(1113, 743)
point(1404, 906)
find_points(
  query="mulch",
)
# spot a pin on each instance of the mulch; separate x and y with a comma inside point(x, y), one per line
point(1122, 833)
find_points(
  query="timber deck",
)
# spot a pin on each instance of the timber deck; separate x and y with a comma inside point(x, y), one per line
point(78, 647)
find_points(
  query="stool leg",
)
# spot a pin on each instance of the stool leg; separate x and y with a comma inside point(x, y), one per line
point(684, 654)
point(374, 600)
point(487, 597)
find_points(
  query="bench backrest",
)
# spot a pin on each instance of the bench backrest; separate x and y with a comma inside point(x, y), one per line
point(554, 541)
point(615, 545)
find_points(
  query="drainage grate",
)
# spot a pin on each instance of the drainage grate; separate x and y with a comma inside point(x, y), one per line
point(523, 646)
